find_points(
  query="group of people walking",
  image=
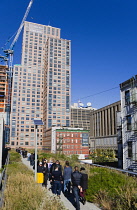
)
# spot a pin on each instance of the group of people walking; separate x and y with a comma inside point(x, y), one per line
point(63, 179)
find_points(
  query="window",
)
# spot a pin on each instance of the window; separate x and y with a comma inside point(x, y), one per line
point(127, 97)
point(57, 33)
point(129, 122)
point(67, 123)
point(49, 123)
point(130, 149)
point(48, 32)
point(53, 31)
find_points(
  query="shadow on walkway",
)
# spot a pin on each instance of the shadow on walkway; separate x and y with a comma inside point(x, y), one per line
point(70, 198)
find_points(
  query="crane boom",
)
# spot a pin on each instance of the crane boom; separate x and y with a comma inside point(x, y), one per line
point(9, 53)
point(21, 25)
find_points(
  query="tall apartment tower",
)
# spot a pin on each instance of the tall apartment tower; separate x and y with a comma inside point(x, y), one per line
point(57, 78)
point(28, 83)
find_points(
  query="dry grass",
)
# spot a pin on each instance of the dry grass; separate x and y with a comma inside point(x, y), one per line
point(22, 193)
point(127, 194)
point(126, 197)
point(103, 200)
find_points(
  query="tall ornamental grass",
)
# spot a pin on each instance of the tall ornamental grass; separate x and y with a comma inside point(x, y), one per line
point(22, 193)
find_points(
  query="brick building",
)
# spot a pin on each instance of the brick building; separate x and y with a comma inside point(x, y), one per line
point(67, 140)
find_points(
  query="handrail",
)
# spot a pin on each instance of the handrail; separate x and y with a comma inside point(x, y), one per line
point(3, 180)
point(112, 168)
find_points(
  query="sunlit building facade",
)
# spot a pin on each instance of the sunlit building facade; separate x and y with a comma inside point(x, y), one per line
point(57, 85)
point(103, 127)
point(28, 85)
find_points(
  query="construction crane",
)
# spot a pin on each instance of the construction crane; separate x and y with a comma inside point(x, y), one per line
point(8, 58)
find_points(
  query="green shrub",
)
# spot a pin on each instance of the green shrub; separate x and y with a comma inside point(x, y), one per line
point(104, 179)
point(102, 155)
point(111, 189)
point(14, 156)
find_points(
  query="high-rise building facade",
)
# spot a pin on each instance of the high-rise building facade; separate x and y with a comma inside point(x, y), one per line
point(80, 116)
point(28, 83)
point(57, 85)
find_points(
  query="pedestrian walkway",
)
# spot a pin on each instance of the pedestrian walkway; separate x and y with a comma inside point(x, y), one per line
point(66, 202)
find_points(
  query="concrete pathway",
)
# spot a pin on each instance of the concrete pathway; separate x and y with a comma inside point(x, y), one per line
point(66, 202)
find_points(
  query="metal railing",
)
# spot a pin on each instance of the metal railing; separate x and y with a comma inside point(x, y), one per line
point(112, 168)
point(3, 180)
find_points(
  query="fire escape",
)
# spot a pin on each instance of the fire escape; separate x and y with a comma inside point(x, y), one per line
point(133, 103)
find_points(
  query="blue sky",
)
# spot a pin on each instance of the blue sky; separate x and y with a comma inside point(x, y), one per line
point(103, 35)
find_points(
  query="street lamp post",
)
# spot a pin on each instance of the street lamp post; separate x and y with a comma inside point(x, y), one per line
point(36, 123)
point(36, 148)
